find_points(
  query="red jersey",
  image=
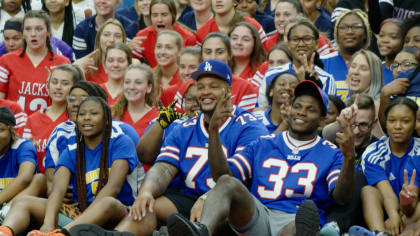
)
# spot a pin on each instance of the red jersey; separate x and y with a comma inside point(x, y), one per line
point(211, 26)
point(100, 77)
point(149, 43)
point(24, 83)
point(244, 94)
point(39, 128)
point(248, 73)
point(324, 46)
point(168, 94)
point(111, 100)
point(180, 92)
point(20, 115)
point(141, 124)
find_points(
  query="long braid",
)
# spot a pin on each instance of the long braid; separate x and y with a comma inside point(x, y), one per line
point(104, 167)
point(49, 47)
point(80, 171)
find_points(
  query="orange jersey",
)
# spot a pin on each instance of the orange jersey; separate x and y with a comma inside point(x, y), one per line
point(24, 83)
point(38, 128)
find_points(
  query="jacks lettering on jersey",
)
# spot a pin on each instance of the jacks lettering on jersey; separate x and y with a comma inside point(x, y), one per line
point(35, 89)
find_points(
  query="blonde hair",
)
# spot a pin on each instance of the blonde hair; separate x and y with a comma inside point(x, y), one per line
point(119, 107)
point(363, 16)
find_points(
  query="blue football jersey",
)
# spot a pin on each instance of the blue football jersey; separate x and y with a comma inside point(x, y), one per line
point(326, 79)
point(413, 163)
point(186, 148)
point(21, 151)
point(388, 77)
point(65, 134)
point(120, 147)
point(283, 176)
point(335, 65)
point(265, 118)
point(378, 163)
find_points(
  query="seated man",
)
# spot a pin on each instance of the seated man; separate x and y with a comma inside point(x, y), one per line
point(285, 169)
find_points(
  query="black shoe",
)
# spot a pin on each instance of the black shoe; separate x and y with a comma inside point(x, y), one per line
point(95, 230)
point(163, 231)
point(307, 219)
point(178, 225)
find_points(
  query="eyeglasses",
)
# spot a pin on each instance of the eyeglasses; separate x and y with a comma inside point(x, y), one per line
point(74, 99)
point(405, 65)
point(306, 40)
point(346, 27)
point(363, 126)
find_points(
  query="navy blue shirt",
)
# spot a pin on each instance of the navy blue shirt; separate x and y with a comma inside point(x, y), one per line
point(323, 23)
point(266, 21)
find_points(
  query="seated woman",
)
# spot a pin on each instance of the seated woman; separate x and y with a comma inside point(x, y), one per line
point(383, 164)
point(85, 165)
point(17, 164)
point(116, 61)
point(247, 51)
point(41, 123)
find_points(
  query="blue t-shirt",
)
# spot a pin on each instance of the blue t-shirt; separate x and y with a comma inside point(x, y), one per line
point(378, 163)
point(21, 151)
point(265, 118)
point(186, 148)
point(120, 148)
point(323, 22)
point(283, 176)
point(388, 77)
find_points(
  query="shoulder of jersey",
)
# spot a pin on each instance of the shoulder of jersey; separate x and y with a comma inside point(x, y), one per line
point(329, 55)
point(18, 142)
point(243, 116)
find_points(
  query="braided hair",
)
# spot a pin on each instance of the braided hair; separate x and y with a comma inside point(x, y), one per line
point(80, 160)
point(43, 16)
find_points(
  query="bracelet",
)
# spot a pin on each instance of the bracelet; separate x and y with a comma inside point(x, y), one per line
point(204, 197)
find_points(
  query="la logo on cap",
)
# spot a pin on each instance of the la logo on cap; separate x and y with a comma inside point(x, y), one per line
point(208, 66)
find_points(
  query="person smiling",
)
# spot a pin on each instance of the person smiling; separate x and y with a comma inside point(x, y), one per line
point(24, 75)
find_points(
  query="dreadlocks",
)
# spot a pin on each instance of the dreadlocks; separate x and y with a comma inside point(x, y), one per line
point(81, 162)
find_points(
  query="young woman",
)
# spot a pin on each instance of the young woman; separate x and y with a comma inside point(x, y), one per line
point(383, 164)
point(135, 105)
point(411, 32)
point(24, 75)
point(163, 16)
point(139, 12)
point(280, 94)
point(390, 42)
point(351, 33)
point(286, 10)
point(116, 61)
point(200, 14)
point(319, 16)
point(62, 22)
point(217, 46)
point(225, 17)
point(247, 50)
point(110, 32)
point(99, 165)
point(41, 123)
point(189, 60)
point(168, 47)
point(334, 109)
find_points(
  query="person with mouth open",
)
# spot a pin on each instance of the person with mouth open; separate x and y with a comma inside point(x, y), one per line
point(163, 17)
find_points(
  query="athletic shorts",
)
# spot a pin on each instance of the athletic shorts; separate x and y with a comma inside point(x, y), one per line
point(266, 221)
point(183, 202)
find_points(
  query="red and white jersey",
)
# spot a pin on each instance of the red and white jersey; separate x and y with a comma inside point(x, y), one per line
point(248, 73)
point(324, 46)
point(111, 100)
point(244, 94)
point(24, 83)
point(211, 26)
point(168, 94)
point(259, 74)
point(20, 116)
point(141, 124)
point(99, 77)
point(38, 128)
point(149, 43)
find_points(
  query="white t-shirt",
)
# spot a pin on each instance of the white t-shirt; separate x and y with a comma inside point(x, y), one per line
point(58, 33)
point(79, 10)
point(4, 17)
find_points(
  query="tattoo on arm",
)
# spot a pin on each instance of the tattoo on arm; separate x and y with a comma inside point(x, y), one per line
point(159, 177)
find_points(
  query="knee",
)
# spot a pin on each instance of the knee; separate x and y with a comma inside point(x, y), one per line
point(22, 201)
point(109, 204)
point(40, 180)
point(228, 180)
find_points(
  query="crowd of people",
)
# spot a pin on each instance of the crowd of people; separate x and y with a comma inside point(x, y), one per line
point(209, 117)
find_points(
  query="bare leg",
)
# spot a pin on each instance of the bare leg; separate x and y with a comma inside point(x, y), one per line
point(25, 210)
point(163, 208)
point(37, 187)
point(373, 211)
point(237, 204)
point(108, 209)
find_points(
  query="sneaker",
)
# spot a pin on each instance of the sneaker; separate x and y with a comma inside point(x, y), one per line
point(330, 229)
point(5, 231)
point(307, 219)
point(95, 230)
point(163, 231)
point(178, 225)
point(360, 231)
point(57, 232)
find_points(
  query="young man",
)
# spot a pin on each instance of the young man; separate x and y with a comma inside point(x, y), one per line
point(186, 152)
point(285, 169)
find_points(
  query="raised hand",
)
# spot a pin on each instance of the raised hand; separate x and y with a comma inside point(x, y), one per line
point(345, 139)
point(222, 111)
point(136, 43)
point(143, 203)
point(349, 113)
point(88, 61)
point(305, 67)
point(408, 191)
point(168, 114)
